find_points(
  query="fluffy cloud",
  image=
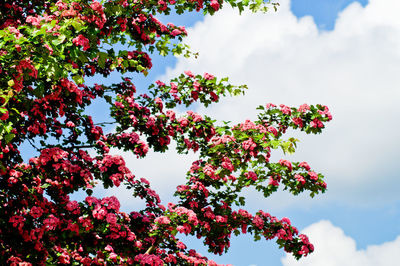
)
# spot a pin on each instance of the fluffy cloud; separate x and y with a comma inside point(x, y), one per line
point(334, 248)
point(165, 171)
point(352, 69)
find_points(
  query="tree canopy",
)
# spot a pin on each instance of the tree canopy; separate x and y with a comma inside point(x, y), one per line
point(48, 49)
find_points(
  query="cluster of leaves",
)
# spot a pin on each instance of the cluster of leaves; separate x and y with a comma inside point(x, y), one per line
point(47, 50)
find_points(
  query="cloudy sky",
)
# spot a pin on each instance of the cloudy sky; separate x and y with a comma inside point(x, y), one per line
point(340, 53)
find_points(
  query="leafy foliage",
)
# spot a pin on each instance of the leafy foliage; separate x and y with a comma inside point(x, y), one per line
point(47, 51)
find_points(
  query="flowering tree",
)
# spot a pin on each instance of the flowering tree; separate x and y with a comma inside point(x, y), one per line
point(47, 50)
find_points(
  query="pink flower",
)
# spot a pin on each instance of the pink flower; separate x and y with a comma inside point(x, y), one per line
point(35, 21)
point(117, 178)
point(303, 108)
point(184, 229)
point(64, 258)
point(17, 221)
point(214, 4)
point(206, 75)
point(73, 207)
point(227, 164)
point(111, 203)
point(99, 212)
point(208, 169)
point(305, 166)
point(86, 223)
point(273, 182)
point(111, 218)
point(298, 121)
point(286, 220)
point(189, 73)
point(15, 31)
point(27, 64)
point(175, 32)
point(174, 88)
point(81, 41)
point(51, 222)
point(159, 102)
point(36, 212)
point(316, 123)
point(272, 130)
point(300, 178)
point(313, 176)
point(119, 105)
point(270, 105)
point(221, 219)
point(249, 144)
point(281, 234)
point(48, 48)
point(160, 83)
point(73, 227)
point(251, 175)
point(113, 256)
point(196, 84)
point(286, 163)
point(180, 245)
point(183, 121)
point(258, 222)
point(214, 96)
point(285, 109)
point(61, 5)
point(196, 117)
point(70, 124)
point(162, 220)
point(244, 213)
point(96, 6)
point(4, 116)
point(209, 214)
point(91, 200)
point(148, 259)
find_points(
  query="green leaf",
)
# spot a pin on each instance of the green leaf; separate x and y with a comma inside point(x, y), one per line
point(102, 59)
point(9, 137)
point(108, 98)
point(275, 144)
point(9, 127)
point(77, 25)
point(59, 40)
point(89, 192)
point(11, 83)
point(78, 79)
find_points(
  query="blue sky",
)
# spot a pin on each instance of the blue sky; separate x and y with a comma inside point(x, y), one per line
point(324, 12)
point(335, 52)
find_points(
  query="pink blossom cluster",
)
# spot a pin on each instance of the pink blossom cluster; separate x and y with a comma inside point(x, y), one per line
point(81, 40)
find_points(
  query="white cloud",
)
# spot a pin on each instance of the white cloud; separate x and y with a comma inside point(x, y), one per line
point(164, 171)
point(334, 248)
point(352, 69)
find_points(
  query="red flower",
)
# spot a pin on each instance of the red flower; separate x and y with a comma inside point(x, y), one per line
point(286, 163)
point(313, 175)
point(214, 4)
point(162, 220)
point(36, 212)
point(4, 116)
point(81, 41)
point(305, 166)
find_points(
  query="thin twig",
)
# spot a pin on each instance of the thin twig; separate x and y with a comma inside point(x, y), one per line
point(33, 145)
point(80, 147)
point(104, 123)
point(151, 249)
